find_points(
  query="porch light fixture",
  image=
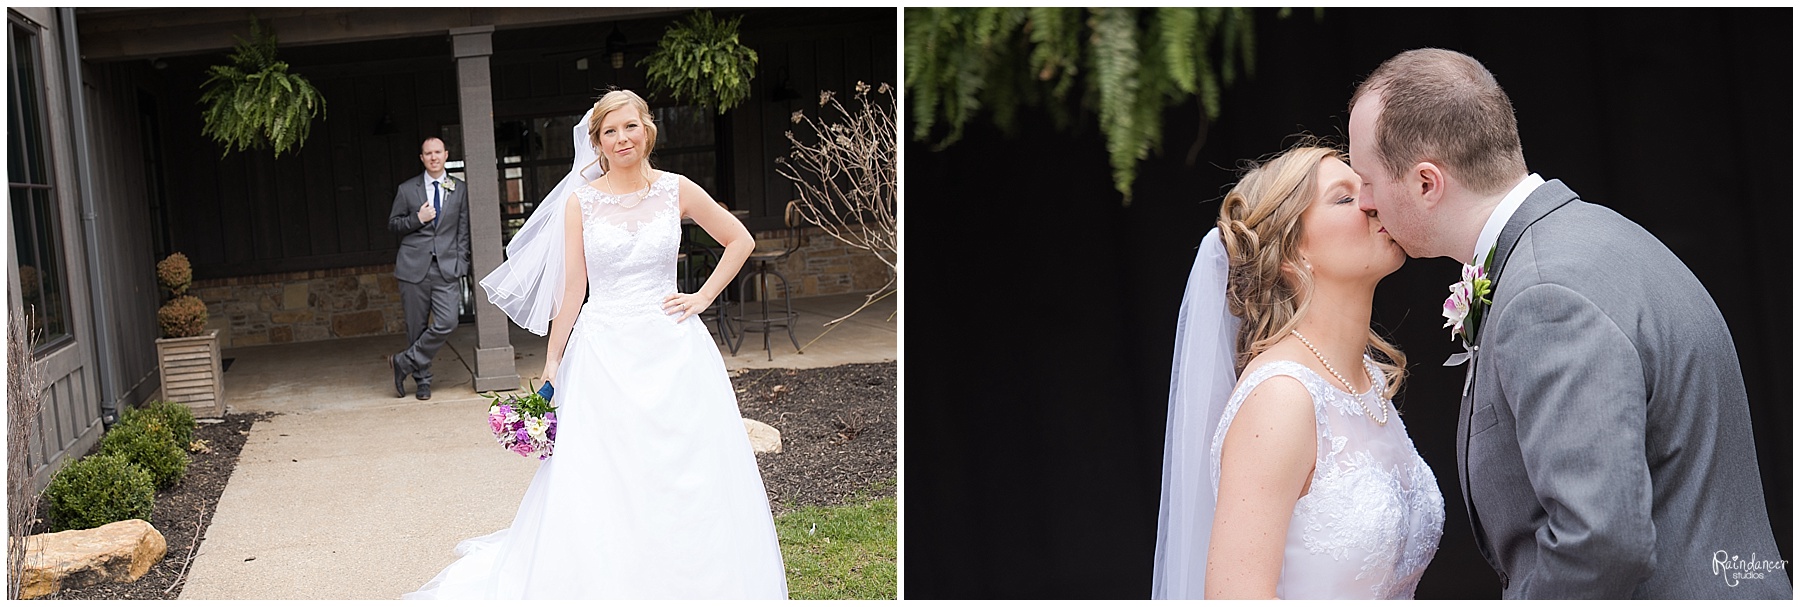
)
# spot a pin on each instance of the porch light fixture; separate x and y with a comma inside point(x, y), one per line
point(615, 47)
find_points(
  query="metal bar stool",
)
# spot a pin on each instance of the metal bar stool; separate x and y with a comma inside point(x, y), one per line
point(763, 261)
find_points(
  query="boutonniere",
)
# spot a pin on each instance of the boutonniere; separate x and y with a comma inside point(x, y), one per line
point(449, 185)
point(1469, 298)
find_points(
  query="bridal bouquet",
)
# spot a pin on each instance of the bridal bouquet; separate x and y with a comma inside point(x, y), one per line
point(524, 424)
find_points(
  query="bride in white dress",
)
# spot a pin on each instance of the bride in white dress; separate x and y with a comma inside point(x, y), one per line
point(1287, 473)
point(653, 491)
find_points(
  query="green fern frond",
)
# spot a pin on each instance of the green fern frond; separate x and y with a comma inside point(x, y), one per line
point(701, 61)
point(1228, 37)
point(1126, 65)
point(254, 102)
point(1056, 46)
point(1178, 27)
point(923, 66)
point(1115, 62)
point(1247, 43)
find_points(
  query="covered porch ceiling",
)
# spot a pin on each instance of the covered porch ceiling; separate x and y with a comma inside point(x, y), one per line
point(113, 34)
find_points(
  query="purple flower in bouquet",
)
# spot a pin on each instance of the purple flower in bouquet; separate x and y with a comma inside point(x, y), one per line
point(523, 424)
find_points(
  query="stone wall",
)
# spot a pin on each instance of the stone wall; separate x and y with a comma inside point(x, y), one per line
point(303, 306)
point(353, 302)
point(823, 266)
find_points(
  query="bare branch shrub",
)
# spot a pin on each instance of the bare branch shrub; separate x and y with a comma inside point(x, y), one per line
point(846, 174)
point(25, 386)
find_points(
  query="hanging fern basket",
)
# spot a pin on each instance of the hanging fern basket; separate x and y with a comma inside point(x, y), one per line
point(700, 61)
point(255, 102)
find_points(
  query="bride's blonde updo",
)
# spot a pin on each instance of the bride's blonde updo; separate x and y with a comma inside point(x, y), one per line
point(1268, 286)
point(610, 102)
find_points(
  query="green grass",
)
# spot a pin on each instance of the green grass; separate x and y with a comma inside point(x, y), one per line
point(850, 553)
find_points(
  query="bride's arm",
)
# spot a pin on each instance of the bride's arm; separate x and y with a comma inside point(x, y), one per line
point(722, 226)
point(1264, 468)
point(574, 288)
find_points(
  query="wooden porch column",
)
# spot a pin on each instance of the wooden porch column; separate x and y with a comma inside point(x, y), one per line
point(494, 369)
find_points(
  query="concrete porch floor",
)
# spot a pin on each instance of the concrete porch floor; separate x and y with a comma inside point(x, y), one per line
point(352, 493)
point(353, 373)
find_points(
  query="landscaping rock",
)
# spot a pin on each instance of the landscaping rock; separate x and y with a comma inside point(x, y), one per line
point(764, 438)
point(118, 552)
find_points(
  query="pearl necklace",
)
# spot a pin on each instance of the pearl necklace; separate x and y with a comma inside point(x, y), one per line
point(1359, 397)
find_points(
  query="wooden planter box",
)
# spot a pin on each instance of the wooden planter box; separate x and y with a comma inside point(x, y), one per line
point(191, 374)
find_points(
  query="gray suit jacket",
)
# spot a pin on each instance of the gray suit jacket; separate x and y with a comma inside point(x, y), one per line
point(1605, 447)
point(449, 232)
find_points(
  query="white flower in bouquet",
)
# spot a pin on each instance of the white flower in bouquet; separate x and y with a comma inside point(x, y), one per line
point(537, 427)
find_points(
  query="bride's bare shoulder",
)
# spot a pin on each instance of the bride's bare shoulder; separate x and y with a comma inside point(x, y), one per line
point(1280, 386)
point(1277, 353)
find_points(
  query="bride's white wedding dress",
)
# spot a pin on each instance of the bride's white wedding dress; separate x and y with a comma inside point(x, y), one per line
point(1371, 520)
point(653, 491)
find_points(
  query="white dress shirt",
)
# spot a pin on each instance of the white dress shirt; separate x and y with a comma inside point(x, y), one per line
point(431, 182)
point(1490, 233)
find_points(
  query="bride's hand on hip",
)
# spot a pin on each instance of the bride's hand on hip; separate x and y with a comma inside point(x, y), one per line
point(687, 304)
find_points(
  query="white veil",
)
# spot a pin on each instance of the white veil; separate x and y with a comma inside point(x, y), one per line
point(528, 286)
point(1204, 374)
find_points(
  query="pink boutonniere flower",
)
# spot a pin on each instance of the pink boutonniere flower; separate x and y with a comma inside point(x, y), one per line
point(1469, 297)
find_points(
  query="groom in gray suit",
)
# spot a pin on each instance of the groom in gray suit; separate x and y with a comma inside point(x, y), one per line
point(1604, 440)
point(431, 215)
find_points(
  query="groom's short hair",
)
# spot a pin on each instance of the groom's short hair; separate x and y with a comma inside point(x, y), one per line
point(1443, 106)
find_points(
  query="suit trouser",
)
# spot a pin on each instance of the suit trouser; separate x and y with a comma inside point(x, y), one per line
point(440, 297)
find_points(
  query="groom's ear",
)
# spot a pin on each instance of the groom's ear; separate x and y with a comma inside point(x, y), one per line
point(1428, 183)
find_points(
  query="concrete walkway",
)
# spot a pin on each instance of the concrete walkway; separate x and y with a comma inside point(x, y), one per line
point(351, 493)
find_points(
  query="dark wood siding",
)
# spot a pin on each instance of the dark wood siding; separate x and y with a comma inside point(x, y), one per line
point(325, 206)
point(122, 196)
point(830, 51)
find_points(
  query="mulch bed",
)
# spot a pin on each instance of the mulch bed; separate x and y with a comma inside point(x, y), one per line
point(839, 432)
point(180, 514)
point(839, 436)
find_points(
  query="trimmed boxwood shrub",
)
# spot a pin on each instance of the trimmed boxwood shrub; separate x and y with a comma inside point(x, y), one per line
point(178, 417)
point(97, 490)
point(145, 440)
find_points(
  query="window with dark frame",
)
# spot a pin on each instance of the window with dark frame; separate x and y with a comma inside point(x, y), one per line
point(536, 153)
point(36, 221)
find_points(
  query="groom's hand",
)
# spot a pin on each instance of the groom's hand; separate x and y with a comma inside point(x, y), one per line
point(427, 213)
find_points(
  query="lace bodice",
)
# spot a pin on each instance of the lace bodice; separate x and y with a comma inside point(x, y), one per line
point(629, 242)
point(1372, 518)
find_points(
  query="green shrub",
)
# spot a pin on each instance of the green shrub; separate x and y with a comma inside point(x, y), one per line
point(178, 417)
point(147, 441)
point(97, 490)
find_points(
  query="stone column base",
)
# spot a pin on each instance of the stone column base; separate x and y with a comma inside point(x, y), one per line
point(494, 369)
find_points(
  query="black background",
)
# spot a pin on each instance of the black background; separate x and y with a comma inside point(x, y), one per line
point(1040, 312)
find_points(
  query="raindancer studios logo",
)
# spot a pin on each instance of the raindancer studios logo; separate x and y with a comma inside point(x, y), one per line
point(1736, 569)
